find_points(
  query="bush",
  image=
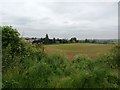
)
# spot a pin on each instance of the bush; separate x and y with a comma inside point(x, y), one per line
point(37, 76)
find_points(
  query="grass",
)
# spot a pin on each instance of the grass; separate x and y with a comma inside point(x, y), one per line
point(86, 49)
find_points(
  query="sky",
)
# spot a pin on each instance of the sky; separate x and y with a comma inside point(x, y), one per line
point(93, 19)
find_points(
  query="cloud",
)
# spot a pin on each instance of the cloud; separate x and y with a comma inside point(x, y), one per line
point(61, 19)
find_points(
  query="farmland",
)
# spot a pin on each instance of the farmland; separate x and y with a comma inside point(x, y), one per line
point(86, 49)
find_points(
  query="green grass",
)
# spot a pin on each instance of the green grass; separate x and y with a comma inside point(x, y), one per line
point(71, 50)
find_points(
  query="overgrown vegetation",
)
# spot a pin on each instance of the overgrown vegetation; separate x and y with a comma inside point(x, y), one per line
point(26, 66)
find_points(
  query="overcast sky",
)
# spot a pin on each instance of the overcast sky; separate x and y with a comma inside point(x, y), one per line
point(61, 19)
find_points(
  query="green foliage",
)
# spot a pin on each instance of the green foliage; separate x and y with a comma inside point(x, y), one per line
point(9, 36)
point(37, 76)
point(11, 44)
point(83, 62)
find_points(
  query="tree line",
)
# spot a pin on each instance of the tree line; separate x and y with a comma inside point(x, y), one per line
point(47, 40)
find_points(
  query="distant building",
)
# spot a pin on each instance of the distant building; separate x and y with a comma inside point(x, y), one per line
point(57, 42)
point(29, 40)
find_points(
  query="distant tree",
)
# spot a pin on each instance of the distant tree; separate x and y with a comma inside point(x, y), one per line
point(93, 41)
point(73, 40)
point(87, 41)
point(47, 36)
point(54, 40)
point(46, 39)
point(64, 41)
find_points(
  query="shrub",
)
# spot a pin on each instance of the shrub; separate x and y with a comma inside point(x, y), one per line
point(37, 76)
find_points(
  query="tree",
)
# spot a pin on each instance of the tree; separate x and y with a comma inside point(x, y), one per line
point(64, 41)
point(93, 41)
point(54, 41)
point(87, 41)
point(46, 39)
point(9, 36)
point(73, 40)
point(11, 44)
point(11, 39)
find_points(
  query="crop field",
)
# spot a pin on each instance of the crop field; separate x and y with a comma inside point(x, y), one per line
point(86, 49)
